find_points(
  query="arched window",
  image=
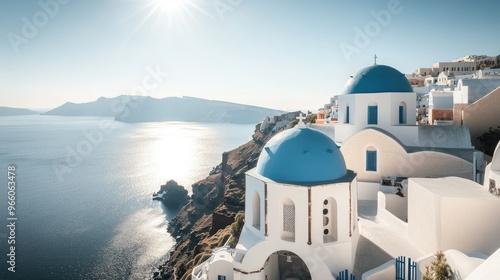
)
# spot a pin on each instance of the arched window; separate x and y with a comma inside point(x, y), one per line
point(347, 113)
point(330, 220)
point(371, 159)
point(373, 113)
point(256, 210)
point(288, 229)
point(402, 113)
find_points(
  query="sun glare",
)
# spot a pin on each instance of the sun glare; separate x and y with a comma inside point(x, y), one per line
point(173, 11)
point(169, 13)
point(171, 5)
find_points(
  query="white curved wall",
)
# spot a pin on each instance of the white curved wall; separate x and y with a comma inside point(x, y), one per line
point(393, 160)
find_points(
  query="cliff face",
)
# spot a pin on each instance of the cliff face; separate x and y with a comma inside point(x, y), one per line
point(214, 202)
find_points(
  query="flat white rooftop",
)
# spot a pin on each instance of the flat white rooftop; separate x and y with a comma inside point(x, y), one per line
point(454, 187)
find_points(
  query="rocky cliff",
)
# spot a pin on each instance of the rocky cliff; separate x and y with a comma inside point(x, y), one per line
point(214, 204)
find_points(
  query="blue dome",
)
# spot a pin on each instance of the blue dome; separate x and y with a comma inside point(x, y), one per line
point(377, 78)
point(301, 156)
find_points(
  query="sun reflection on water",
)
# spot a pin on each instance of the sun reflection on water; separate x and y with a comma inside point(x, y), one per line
point(139, 235)
point(174, 151)
point(158, 152)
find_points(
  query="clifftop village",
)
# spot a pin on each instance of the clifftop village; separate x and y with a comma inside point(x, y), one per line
point(389, 183)
point(451, 93)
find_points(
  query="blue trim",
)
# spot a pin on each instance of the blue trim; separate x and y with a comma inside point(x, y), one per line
point(402, 115)
point(371, 160)
point(373, 114)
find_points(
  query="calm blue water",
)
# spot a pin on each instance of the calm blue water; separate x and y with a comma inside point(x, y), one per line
point(84, 191)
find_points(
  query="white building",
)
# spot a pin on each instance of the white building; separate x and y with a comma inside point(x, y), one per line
point(458, 68)
point(377, 96)
point(301, 202)
point(440, 107)
point(440, 99)
point(451, 214)
point(219, 266)
point(380, 97)
point(300, 211)
point(379, 137)
point(445, 78)
point(469, 91)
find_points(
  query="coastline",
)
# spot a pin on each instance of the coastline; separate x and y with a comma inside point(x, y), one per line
point(203, 223)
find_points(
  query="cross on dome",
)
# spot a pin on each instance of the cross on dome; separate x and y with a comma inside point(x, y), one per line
point(301, 119)
point(375, 57)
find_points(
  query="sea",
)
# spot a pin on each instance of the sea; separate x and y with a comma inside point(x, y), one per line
point(83, 192)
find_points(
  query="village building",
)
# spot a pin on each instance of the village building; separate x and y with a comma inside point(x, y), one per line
point(355, 193)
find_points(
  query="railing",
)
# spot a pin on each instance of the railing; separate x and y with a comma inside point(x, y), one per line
point(344, 275)
point(401, 269)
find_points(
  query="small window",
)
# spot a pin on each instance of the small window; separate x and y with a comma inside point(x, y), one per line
point(289, 217)
point(256, 210)
point(347, 114)
point(373, 114)
point(371, 160)
point(402, 113)
point(221, 277)
point(288, 229)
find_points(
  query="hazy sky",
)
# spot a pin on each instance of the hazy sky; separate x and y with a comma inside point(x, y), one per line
point(288, 54)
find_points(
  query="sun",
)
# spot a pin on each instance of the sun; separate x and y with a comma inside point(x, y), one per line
point(166, 14)
point(172, 6)
point(175, 11)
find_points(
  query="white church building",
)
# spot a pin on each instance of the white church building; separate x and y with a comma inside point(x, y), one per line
point(379, 137)
point(300, 212)
point(302, 198)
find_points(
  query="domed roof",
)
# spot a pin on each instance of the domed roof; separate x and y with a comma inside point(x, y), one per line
point(377, 78)
point(301, 156)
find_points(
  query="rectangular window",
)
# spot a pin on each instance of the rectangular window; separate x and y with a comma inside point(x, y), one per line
point(221, 277)
point(402, 115)
point(371, 160)
point(347, 114)
point(289, 218)
point(372, 115)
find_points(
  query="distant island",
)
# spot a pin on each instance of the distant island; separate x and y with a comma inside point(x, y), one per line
point(147, 109)
point(7, 111)
point(194, 109)
point(106, 107)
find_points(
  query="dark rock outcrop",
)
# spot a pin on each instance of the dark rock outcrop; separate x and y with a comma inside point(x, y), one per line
point(172, 195)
